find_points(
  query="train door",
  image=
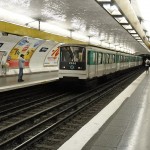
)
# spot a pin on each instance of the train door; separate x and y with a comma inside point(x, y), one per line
point(96, 63)
point(118, 61)
point(122, 62)
point(131, 63)
point(113, 63)
point(107, 57)
point(120, 58)
point(127, 61)
point(100, 64)
point(104, 62)
point(92, 60)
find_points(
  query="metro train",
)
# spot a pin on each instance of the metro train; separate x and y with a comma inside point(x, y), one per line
point(87, 62)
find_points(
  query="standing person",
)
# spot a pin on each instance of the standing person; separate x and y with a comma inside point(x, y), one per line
point(21, 62)
point(3, 68)
point(147, 63)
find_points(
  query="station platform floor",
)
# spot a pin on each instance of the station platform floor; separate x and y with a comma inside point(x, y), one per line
point(124, 124)
point(11, 82)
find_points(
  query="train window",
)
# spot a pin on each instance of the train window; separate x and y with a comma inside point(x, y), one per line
point(127, 59)
point(113, 58)
point(91, 58)
point(124, 58)
point(72, 53)
point(121, 58)
point(100, 57)
point(117, 58)
point(94, 58)
point(107, 58)
point(104, 59)
point(110, 59)
point(130, 58)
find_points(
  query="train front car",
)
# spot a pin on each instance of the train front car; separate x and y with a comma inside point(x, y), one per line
point(72, 62)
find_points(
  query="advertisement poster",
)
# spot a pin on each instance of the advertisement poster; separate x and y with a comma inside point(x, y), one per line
point(26, 46)
point(52, 57)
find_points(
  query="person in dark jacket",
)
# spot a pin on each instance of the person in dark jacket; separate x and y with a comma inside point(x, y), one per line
point(21, 62)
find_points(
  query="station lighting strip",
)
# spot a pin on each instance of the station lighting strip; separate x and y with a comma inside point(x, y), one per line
point(111, 7)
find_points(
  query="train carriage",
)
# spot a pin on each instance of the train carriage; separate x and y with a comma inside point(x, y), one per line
point(87, 62)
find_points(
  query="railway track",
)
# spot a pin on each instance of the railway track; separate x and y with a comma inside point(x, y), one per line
point(45, 125)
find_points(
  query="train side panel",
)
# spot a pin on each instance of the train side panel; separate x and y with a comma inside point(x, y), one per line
point(87, 62)
point(100, 62)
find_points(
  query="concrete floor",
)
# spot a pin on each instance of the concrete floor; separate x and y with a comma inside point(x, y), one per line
point(124, 124)
point(11, 82)
point(129, 127)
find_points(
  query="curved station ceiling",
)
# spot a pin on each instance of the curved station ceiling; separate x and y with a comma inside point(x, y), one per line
point(83, 20)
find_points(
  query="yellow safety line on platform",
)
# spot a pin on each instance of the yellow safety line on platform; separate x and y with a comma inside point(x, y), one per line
point(23, 31)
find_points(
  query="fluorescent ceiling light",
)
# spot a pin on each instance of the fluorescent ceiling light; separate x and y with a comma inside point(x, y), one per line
point(137, 38)
point(131, 31)
point(135, 35)
point(121, 19)
point(107, 7)
point(113, 10)
point(127, 26)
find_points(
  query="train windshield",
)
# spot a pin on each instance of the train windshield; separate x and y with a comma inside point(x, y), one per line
point(72, 54)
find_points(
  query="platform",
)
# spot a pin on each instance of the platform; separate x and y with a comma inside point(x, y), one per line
point(124, 124)
point(11, 82)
